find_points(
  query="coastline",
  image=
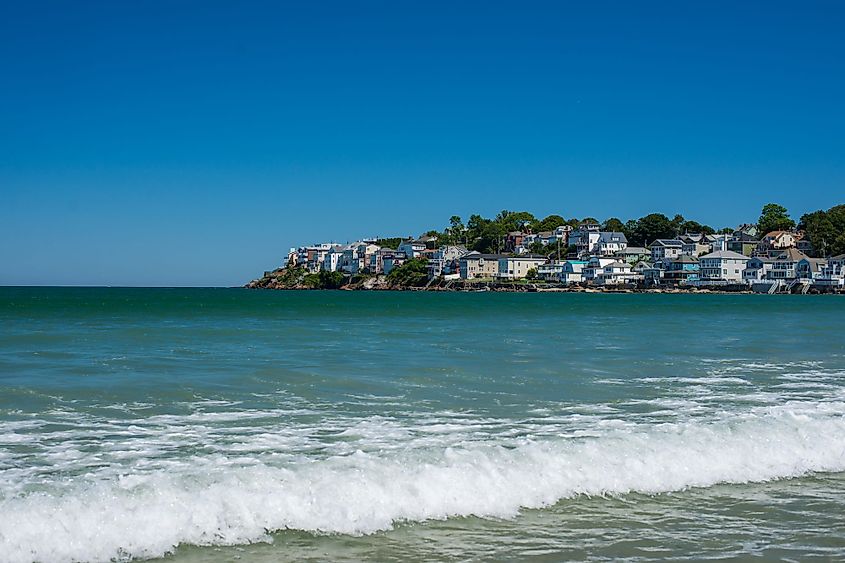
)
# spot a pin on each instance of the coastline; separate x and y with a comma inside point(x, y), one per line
point(278, 281)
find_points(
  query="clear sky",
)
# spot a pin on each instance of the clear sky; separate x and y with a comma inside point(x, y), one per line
point(193, 143)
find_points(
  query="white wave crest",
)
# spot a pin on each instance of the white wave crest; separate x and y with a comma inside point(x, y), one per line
point(210, 501)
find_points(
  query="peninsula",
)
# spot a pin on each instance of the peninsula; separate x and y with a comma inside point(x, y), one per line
point(515, 251)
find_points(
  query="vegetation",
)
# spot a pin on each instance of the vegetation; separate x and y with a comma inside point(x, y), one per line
point(324, 280)
point(825, 230)
point(392, 243)
point(413, 273)
point(774, 218)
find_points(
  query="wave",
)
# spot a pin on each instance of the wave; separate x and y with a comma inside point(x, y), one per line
point(213, 500)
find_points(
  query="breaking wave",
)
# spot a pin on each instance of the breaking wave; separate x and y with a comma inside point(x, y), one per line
point(213, 500)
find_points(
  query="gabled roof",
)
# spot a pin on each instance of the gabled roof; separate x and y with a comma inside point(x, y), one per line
point(791, 255)
point(610, 236)
point(633, 250)
point(674, 243)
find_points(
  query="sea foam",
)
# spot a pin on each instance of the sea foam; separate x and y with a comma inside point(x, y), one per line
point(209, 500)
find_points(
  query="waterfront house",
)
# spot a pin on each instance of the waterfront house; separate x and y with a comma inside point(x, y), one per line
point(594, 267)
point(784, 265)
point(392, 260)
point(517, 267)
point(682, 269)
point(810, 268)
point(665, 248)
point(722, 267)
point(476, 265)
point(757, 269)
point(616, 273)
point(833, 273)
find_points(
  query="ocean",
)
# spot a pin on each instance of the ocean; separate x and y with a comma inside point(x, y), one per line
point(200, 425)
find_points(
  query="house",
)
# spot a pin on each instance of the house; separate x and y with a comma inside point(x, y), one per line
point(784, 265)
point(609, 243)
point(633, 254)
point(722, 267)
point(376, 264)
point(412, 248)
point(653, 273)
point(594, 267)
point(517, 267)
point(682, 269)
point(810, 268)
point(586, 238)
point(743, 243)
point(757, 269)
point(665, 248)
point(516, 239)
point(355, 257)
point(833, 273)
point(695, 245)
point(616, 273)
point(445, 260)
point(568, 271)
point(476, 265)
point(776, 240)
point(332, 259)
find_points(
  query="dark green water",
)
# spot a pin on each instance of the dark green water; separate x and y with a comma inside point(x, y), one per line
point(208, 424)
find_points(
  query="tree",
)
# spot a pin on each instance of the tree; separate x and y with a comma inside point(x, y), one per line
point(819, 230)
point(531, 274)
point(550, 223)
point(651, 227)
point(414, 272)
point(774, 218)
point(614, 225)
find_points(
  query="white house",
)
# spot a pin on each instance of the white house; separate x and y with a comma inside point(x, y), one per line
point(757, 269)
point(517, 267)
point(616, 273)
point(445, 260)
point(594, 266)
point(665, 248)
point(609, 243)
point(833, 274)
point(721, 267)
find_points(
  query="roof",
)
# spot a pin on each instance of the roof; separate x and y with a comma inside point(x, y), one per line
point(685, 259)
point(633, 250)
point(611, 236)
point(791, 254)
point(775, 234)
point(617, 264)
point(526, 257)
point(479, 256)
point(667, 242)
point(839, 257)
point(726, 255)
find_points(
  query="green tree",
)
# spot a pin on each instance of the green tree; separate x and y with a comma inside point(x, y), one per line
point(650, 228)
point(774, 218)
point(413, 273)
point(550, 223)
point(614, 225)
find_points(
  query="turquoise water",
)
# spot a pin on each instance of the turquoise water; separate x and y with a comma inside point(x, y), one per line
point(214, 424)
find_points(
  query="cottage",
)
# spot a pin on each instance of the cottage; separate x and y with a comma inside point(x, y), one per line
point(776, 240)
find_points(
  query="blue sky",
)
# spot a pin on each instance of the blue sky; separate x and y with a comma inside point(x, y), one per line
point(192, 143)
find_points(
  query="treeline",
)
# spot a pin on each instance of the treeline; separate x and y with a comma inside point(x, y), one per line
point(825, 229)
point(488, 235)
